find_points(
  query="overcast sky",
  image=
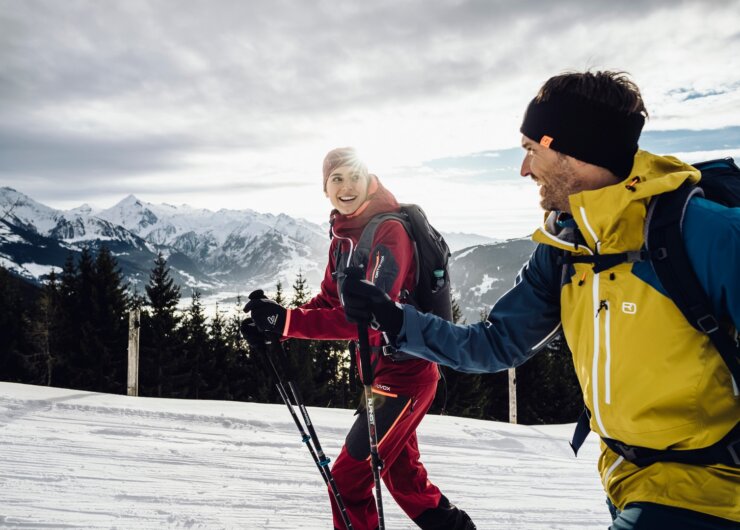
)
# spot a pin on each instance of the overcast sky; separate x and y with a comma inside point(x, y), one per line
point(234, 103)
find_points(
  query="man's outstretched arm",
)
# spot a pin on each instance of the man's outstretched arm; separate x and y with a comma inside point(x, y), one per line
point(518, 326)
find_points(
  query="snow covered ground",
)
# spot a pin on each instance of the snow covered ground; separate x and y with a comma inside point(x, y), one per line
point(72, 459)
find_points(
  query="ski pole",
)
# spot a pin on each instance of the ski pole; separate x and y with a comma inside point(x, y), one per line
point(284, 395)
point(366, 369)
point(319, 459)
point(367, 381)
point(322, 460)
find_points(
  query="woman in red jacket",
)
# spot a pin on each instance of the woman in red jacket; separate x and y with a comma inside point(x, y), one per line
point(403, 386)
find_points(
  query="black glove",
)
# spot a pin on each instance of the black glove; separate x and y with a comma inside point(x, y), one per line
point(268, 315)
point(364, 303)
point(254, 337)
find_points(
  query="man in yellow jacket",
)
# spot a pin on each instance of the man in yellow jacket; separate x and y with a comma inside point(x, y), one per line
point(649, 379)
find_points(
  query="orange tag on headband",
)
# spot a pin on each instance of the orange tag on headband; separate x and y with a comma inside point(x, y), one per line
point(545, 141)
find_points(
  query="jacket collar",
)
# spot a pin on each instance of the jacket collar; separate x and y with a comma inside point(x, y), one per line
point(611, 219)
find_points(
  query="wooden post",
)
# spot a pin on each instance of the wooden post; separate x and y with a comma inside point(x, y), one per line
point(512, 395)
point(133, 353)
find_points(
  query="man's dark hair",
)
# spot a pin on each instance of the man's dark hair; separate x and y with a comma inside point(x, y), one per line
point(613, 89)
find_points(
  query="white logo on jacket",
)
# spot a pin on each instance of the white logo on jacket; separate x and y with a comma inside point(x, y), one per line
point(272, 319)
point(629, 307)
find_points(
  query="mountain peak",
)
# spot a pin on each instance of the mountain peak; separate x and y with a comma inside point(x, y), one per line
point(129, 200)
point(83, 209)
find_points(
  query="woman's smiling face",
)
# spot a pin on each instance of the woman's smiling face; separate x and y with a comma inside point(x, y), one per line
point(346, 188)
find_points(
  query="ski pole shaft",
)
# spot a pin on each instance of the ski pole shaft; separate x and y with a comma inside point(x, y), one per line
point(367, 381)
point(323, 460)
point(319, 459)
point(307, 420)
point(304, 437)
point(284, 395)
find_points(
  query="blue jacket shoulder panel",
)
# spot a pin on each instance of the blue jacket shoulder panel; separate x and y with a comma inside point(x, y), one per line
point(521, 322)
point(711, 233)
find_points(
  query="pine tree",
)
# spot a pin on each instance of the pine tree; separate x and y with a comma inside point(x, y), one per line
point(300, 355)
point(14, 331)
point(66, 342)
point(110, 324)
point(83, 353)
point(162, 372)
point(44, 332)
point(198, 358)
point(279, 296)
point(224, 359)
point(547, 387)
point(301, 292)
point(332, 375)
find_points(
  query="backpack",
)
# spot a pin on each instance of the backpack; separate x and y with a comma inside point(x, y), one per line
point(720, 182)
point(664, 248)
point(432, 291)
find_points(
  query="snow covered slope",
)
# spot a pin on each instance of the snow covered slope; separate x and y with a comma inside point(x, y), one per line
point(85, 460)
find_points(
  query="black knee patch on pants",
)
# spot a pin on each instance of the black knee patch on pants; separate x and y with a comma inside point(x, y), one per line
point(387, 411)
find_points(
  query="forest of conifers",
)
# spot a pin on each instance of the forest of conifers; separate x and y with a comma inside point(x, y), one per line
point(73, 332)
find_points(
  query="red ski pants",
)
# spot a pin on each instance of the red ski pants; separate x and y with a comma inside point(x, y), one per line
point(405, 478)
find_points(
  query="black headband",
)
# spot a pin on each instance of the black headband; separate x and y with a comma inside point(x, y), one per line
point(586, 130)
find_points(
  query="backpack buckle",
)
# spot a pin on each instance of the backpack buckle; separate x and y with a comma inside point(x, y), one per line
point(708, 324)
point(627, 451)
point(388, 350)
point(660, 254)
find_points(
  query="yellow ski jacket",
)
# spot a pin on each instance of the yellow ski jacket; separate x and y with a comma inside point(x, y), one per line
point(648, 377)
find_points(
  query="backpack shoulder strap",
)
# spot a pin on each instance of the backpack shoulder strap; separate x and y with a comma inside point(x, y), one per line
point(365, 242)
point(664, 240)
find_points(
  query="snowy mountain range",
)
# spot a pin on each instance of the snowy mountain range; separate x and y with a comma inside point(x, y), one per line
point(220, 253)
point(483, 273)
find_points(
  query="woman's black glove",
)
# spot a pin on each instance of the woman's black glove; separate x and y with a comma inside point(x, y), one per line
point(364, 303)
point(254, 337)
point(268, 315)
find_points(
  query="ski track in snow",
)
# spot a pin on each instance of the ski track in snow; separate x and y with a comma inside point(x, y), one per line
point(73, 459)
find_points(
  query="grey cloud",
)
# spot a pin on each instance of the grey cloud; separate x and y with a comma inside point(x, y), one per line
point(286, 55)
point(689, 93)
point(171, 186)
point(247, 74)
point(77, 155)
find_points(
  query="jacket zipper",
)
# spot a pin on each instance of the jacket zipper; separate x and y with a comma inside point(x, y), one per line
point(596, 355)
point(598, 305)
point(608, 360)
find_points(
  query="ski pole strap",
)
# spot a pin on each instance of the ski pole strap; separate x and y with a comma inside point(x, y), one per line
point(726, 452)
point(583, 428)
